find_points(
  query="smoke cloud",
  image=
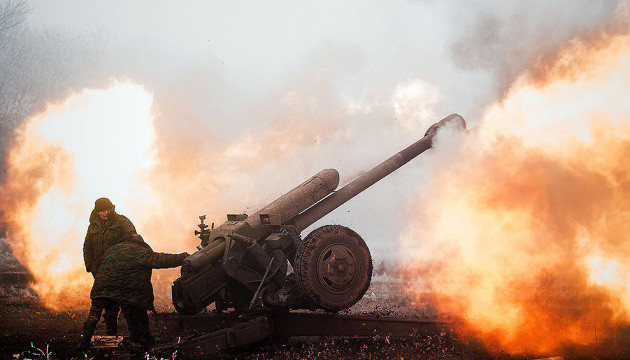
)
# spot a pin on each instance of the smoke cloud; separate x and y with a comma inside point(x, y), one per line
point(250, 99)
point(525, 241)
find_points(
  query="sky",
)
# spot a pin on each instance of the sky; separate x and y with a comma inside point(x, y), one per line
point(363, 79)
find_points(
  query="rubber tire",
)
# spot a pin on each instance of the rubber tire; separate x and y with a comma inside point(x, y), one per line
point(306, 268)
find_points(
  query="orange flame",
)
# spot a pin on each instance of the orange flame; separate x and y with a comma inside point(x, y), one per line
point(108, 143)
point(523, 236)
point(62, 160)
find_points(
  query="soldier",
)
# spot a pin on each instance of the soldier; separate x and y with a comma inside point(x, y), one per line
point(125, 277)
point(106, 228)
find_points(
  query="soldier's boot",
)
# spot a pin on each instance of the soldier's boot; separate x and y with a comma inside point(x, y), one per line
point(86, 337)
point(111, 325)
point(147, 343)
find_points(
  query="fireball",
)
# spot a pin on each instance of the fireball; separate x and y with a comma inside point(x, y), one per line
point(96, 143)
point(523, 235)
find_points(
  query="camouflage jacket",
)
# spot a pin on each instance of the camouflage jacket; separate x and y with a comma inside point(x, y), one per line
point(125, 274)
point(101, 236)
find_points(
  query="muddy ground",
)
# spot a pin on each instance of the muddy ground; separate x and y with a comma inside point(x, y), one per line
point(28, 331)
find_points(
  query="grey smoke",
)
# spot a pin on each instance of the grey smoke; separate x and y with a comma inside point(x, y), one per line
point(220, 70)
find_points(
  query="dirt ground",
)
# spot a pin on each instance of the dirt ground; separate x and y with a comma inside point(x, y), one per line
point(28, 331)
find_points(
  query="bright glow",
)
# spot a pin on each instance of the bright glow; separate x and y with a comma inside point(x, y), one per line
point(605, 271)
point(524, 234)
point(413, 104)
point(94, 144)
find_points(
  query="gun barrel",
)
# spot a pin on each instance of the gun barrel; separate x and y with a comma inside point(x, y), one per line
point(369, 178)
point(300, 198)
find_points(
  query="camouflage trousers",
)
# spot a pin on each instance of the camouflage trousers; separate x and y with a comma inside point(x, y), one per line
point(138, 324)
point(111, 309)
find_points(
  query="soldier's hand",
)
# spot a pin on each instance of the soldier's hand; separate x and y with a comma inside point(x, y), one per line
point(187, 254)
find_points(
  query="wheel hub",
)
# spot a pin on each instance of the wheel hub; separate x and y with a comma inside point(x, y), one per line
point(337, 268)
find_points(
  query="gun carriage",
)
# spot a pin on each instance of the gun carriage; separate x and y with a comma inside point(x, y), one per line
point(243, 263)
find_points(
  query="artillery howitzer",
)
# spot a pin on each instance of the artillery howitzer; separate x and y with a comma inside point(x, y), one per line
point(243, 263)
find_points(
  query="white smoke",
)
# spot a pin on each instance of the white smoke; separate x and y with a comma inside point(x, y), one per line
point(357, 80)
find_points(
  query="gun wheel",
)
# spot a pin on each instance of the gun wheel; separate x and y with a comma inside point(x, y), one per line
point(333, 268)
